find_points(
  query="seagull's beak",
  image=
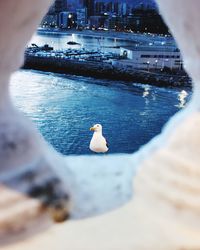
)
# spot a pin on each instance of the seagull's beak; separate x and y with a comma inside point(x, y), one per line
point(92, 129)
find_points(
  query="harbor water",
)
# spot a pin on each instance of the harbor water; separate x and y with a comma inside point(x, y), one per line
point(97, 41)
point(64, 107)
point(60, 41)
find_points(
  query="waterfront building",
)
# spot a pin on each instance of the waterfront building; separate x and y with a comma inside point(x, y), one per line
point(81, 17)
point(89, 4)
point(100, 8)
point(72, 19)
point(73, 5)
point(147, 20)
point(96, 22)
point(50, 20)
point(60, 6)
point(117, 23)
point(63, 20)
point(109, 7)
point(150, 57)
point(110, 23)
point(116, 8)
point(123, 9)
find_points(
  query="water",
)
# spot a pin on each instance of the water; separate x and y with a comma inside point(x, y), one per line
point(92, 41)
point(59, 41)
point(64, 107)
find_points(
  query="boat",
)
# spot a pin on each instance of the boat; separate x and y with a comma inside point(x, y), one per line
point(73, 43)
point(45, 47)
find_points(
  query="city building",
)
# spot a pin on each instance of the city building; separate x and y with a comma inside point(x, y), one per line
point(116, 22)
point(119, 8)
point(49, 21)
point(114, 15)
point(116, 8)
point(89, 4)
point(147, 20)
point(63, 20)
point(81, 17)
point(96, 22)
point(100, 8)
point(60, 6)
point(123, 9)
point(52, 18)
point(72, 18)
point(109, 7)
point(150, 57)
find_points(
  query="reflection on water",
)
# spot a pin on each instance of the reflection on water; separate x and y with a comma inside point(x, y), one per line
point(59, 41)
point(146, 94)
point(182, 97)
point(146, 91)
point(65, 107)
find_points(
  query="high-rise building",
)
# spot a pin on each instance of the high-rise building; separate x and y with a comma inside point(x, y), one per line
point(89, 4)
point(63, 20)
point(99, 8)
point(116, 8)
point(49, 20)
point(73, 5)
point(109, 7)
point(147, 20)
point(116, 22)
point(96, 22)
point(60, 6)
point(124, 9)
point(81, 17)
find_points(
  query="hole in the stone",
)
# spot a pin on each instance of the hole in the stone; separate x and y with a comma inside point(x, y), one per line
point(64, 102)
point(65, 106)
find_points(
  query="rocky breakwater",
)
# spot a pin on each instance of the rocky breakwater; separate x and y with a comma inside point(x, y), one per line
point(97, 64)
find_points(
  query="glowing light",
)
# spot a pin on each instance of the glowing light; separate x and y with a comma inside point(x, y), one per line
point(182, 99)
point(146, 92)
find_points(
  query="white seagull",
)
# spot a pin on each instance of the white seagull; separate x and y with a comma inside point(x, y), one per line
point(98, 143)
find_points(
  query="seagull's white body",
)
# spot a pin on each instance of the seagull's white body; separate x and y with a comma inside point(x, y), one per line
point(98, 143)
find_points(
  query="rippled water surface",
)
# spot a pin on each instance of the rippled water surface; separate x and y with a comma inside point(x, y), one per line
point(60, 41)
point(65, 107)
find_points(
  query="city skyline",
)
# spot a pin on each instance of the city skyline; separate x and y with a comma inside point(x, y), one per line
point(139, 16)
point(74, 4)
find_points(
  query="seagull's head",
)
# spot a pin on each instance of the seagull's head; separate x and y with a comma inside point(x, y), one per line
point(96, 128)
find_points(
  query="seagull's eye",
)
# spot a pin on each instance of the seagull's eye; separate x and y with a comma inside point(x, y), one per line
point(97, 125)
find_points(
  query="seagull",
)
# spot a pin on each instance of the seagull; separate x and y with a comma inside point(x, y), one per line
point(98, 143)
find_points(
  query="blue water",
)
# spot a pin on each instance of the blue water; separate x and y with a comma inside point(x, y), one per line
point(64, 107)
point(59, 41)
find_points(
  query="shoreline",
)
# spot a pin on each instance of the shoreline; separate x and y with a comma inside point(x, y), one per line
point(102, 70)
point(105, 70)
point(132, 37)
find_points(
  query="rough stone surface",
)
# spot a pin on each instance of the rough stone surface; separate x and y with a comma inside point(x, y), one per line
point(164, 213)
point(22, 149)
